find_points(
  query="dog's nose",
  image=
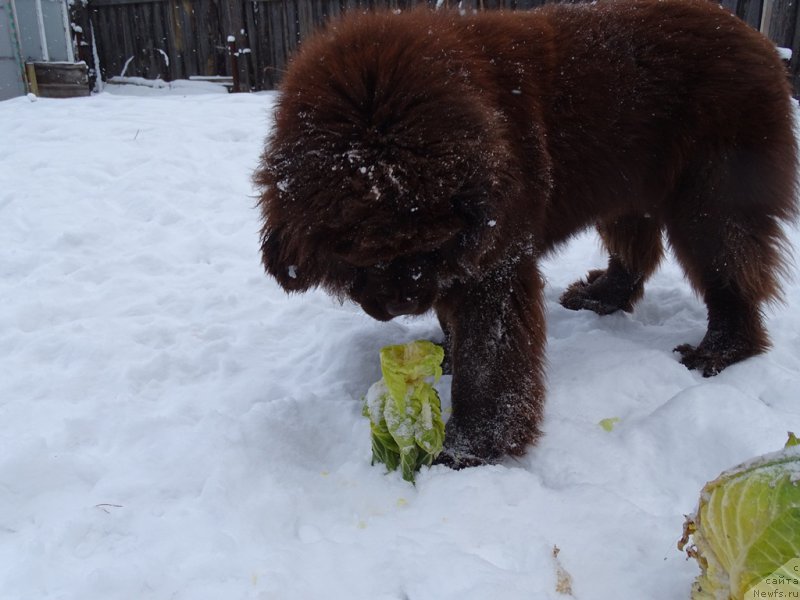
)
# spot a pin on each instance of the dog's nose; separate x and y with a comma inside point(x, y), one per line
point(401, 307)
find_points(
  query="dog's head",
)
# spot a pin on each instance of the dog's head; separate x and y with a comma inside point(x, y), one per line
point(385, 178)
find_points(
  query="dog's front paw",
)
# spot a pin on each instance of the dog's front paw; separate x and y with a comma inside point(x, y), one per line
point(459, 460)
point(484, 441)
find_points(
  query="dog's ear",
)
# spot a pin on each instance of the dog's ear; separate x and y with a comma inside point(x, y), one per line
point(282, 258)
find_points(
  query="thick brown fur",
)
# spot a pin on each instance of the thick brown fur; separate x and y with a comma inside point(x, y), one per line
point(426, 161)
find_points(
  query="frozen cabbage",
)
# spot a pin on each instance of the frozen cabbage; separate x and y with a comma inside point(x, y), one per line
point(746, 528)
point(404, 409)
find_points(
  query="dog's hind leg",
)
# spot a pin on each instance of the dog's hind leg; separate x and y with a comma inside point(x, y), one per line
point(724, 225)
point(634, 247)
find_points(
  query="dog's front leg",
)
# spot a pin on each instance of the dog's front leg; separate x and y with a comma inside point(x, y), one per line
point(497, 341)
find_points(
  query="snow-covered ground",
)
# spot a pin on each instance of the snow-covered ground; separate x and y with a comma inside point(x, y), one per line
point(173, 426)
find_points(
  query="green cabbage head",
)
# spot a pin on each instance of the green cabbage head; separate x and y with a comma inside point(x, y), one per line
point(747, 528)
point(404, 409)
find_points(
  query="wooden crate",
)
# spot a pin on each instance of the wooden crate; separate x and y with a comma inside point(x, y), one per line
point(61, 79)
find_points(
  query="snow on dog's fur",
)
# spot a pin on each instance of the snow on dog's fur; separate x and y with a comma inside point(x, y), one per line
point(426, 161)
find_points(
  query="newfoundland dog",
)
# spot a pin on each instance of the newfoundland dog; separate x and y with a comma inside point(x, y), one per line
point(426, 161)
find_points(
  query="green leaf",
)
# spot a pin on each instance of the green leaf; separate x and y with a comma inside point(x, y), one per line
point(608, 424)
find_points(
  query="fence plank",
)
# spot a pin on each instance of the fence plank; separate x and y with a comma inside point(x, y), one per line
point(99, 3)
point(782, 24)
point(750, 12)
point(794, 65)
point(258, 55)
point(162, 29)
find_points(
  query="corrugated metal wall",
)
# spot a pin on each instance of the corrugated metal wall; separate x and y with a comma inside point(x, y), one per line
point(11, 81)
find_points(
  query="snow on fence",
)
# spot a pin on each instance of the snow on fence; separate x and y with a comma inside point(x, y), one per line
point(251, 40)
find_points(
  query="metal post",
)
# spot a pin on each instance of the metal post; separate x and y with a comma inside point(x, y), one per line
point(766, 17)
point(234, 62)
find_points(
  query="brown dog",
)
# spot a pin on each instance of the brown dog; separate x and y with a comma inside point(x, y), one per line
point(426, 161)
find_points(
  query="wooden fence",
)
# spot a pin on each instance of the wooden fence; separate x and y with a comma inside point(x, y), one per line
point(251, 40)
